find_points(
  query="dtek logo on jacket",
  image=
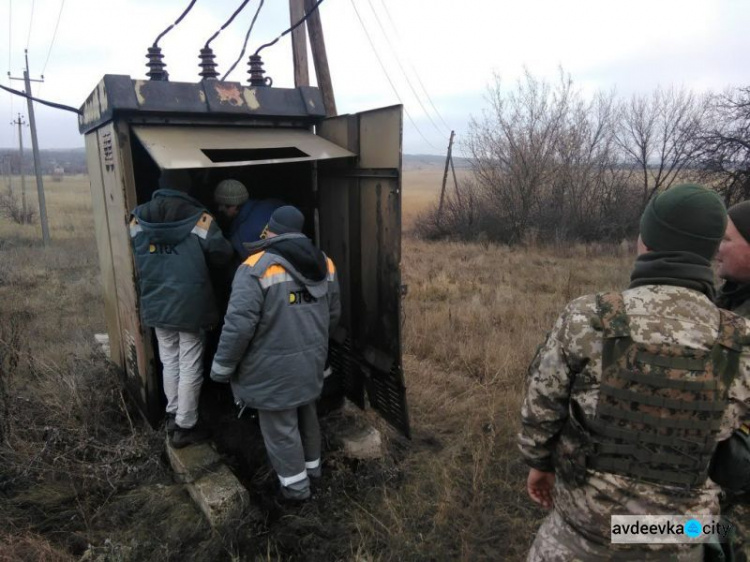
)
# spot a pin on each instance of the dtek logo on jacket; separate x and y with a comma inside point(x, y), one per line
point(163, 249)
point(301, 297)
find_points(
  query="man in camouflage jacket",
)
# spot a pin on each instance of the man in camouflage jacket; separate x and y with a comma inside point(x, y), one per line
point(734, 267)
point(603, 439)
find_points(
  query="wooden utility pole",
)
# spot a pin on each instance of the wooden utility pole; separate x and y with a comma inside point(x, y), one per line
point(20, 122)
point(448, 161)
point(320, 59)
point(299, 44)
point(35, 148)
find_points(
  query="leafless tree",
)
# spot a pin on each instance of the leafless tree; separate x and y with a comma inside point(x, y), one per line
point(657, 134)
point(724, 155)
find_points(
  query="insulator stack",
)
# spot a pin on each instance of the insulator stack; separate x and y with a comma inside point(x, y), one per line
point(155, 65)
point(207, 64)
point(256, 72)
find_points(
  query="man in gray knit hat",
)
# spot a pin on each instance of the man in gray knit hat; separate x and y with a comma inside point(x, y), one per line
point(248, 216)
point(274, 344)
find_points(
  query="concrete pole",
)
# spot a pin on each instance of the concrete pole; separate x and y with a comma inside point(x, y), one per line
point(37, 163)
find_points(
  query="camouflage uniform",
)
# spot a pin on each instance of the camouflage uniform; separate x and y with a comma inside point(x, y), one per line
point(738, 509)
point(566, 376)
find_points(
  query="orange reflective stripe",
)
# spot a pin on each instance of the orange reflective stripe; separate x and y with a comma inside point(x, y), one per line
point(331, 267)
point(274, 270)
point(252, 260)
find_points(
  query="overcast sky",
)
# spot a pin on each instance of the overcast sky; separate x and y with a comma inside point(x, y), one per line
point(454, 47)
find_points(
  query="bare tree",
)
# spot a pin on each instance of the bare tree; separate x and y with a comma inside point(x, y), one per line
point(724, 154)
point(657, 134)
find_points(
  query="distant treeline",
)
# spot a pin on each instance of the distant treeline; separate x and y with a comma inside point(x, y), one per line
point(70, 161)
point(551, 164)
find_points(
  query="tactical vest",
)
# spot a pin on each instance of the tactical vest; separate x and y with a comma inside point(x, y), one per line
point(660, 406)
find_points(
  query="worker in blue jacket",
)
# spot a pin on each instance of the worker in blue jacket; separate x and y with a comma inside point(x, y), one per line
point(249, 216)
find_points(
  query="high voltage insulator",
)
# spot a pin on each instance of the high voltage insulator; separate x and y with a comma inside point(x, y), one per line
point(207, 64)
point(256, 72)
point(155, 65)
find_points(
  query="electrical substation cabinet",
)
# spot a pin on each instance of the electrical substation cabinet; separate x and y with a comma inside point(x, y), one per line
point(343, 173)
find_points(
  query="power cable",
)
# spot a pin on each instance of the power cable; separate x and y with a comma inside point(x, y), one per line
point(406, 75)
point(393, 87)
point(54, 36)
point(10, 60)
point(419, 79)
point(177, 21)
point(295, 26)
point(234, 15)
point(244, 46)
point(43, 102)
point(31, 21)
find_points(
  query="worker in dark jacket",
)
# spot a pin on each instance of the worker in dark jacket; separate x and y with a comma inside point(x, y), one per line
point(248, 217)
point(175, 241)
point(273, 347)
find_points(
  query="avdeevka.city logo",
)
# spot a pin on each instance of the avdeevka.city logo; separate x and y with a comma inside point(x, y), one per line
point(668, 529)
point(693, 528)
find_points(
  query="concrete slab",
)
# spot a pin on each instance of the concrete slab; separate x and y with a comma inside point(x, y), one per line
point(220, 496)
point(213, 487)
point(364, 443)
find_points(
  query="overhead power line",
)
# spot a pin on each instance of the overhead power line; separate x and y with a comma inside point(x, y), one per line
point(295, 26)
point(406, 75)
point(43, 102)
point(382, 67)
point(244, 46)
point(31, 22)
point(412, 67)
point(54, 36)
point(226, 23)
point(176, 23)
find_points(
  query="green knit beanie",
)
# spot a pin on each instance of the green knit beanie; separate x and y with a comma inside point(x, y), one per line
point(688, 218)
point(230, 192)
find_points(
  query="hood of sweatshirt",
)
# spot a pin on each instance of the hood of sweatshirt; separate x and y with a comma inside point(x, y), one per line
point(169, 217)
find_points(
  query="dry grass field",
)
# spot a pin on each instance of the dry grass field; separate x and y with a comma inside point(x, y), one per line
point(79, 468)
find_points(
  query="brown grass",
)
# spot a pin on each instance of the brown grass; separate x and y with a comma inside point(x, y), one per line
point(474, 316)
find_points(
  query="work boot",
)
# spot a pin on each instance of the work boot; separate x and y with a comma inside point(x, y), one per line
point(171, 424)
point(182, 437)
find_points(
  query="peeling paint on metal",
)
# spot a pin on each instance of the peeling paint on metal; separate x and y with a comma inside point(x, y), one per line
point(251, 98)
point(138, 93)
point(228, 93)
point(103, 102)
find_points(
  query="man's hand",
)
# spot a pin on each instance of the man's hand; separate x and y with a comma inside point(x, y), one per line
point(539, 485)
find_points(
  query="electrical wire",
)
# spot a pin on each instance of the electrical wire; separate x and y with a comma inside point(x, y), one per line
point(54, 36)
point(177, 21)
point(31, 22)
point(295, 26)
point(43, 102)
point(244, 46)
point(10, 35)
point(234, 15)
point(411, 66)
point(406, 75)
point(393, 87)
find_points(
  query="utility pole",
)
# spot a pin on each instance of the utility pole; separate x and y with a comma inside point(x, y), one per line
point(299, 44)
point(320, 59)
point(20, 122)
point(448, 160)
point(35, 147)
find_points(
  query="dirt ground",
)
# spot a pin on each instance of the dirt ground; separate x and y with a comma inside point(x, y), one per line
point(82, 476)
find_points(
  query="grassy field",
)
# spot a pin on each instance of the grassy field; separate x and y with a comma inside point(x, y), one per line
point(79, 468)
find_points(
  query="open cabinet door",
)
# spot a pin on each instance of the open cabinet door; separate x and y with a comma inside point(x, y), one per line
point(360, 229)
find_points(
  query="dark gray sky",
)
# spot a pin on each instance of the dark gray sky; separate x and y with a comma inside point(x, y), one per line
point(449, 49)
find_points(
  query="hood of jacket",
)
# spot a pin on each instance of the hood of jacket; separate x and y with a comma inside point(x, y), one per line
point(299, 256)
point(169, 217)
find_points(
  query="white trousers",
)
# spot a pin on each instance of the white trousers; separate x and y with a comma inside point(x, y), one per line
point(181, 355)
